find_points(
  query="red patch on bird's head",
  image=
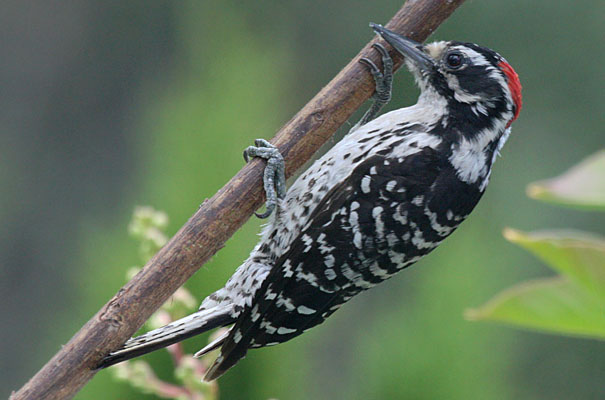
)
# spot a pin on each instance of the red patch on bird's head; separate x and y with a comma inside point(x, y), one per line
point(514, 85)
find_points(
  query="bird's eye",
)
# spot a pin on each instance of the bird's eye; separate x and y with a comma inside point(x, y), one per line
point(454, 60)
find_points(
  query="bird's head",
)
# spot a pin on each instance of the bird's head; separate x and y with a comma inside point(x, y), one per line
point(476, 83)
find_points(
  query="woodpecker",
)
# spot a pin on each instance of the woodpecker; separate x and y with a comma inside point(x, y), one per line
point(382, 198)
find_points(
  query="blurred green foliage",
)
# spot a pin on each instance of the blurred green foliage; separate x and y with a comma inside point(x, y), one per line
point(583, 186)
point(147, 227)
point(153, 103)
point(574, 302)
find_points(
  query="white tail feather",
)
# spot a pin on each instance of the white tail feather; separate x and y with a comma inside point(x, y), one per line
point(216, 343)
point(191, 325)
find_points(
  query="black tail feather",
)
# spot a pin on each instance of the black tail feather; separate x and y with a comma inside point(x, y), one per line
point(179, 330)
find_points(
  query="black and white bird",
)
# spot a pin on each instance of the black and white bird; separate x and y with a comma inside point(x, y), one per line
point(378, 201)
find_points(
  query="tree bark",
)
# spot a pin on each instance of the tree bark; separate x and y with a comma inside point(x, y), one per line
point(219, 217)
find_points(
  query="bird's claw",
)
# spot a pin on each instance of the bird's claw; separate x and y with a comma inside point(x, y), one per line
point(383, 80)
point(274, 179)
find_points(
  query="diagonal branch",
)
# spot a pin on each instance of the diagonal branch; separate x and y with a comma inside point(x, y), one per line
point(219, 217)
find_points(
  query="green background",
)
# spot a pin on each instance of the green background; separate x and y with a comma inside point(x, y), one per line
point(109, 105)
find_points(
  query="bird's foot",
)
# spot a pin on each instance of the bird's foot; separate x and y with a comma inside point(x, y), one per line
point(383, 80)
point(274, 178)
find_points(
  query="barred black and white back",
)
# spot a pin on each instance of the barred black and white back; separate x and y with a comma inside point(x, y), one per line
point(377, 202)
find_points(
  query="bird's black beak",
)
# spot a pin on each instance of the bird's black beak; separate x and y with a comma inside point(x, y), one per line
point(414, 51)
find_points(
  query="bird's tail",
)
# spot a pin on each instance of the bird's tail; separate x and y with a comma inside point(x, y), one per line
point(191, 325)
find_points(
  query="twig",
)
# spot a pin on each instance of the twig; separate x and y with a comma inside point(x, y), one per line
point(219, 217)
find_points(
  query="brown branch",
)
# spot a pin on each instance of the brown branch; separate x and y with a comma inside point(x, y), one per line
point(218, 218)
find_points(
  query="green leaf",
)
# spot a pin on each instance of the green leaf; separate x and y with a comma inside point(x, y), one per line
point(579, 256)
point(573, 303)
point(581, 186)
point(554, 305)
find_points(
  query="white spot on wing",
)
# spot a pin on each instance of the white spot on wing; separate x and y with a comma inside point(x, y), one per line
point(266, 325)
point(254, 313)
point(365, 183)
point(330, 274)
point(329, 260)
point(288, 269)
point(355, 277)
point(442, 230)
point(285, 302)
point(391, 185)
point(308, 241)
point(308, 277)
point(420, 243)
point(305, 310)
point(378, 222)
point(417, 201)
point(377, 271)
point(401, 215)
point(357, 240)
